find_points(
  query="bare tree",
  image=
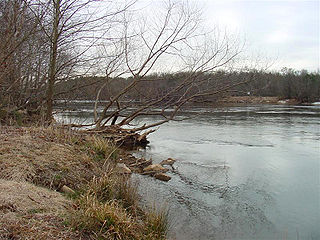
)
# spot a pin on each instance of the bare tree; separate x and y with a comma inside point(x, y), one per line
point(79, 38)
point(170, 38)
point(72, 29)
point(21, 55)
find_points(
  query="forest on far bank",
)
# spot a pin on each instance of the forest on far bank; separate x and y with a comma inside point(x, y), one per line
point(301, 85)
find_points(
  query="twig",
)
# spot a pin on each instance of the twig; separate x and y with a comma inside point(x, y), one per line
point(33, 200)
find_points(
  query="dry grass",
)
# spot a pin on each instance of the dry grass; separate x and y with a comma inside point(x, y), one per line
point(104, 220)
point(157, 222)
point(109, 209)
point(101, 149)
point(47, 157)
point(112, 186)
point(110, 220)
point(31, 212)
point(35, 227)
point(106, 203)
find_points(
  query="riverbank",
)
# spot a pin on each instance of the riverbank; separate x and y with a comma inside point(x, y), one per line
point(240, 100)
point(60, 184)
point(220, 102)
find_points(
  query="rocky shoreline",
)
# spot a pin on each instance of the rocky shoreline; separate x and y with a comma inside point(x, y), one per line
point(130, 164)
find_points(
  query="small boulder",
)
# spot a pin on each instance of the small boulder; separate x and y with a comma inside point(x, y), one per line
point(162, 177)
point(67, 190)
point(122, 168)
point(155, 168)
point(169, 161)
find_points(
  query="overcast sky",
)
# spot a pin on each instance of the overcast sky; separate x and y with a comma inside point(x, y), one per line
point(284, 31)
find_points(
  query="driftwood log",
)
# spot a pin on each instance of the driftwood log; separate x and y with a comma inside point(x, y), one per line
point(123, 137)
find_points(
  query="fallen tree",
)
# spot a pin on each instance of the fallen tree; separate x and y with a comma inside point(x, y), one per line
point(171, 40)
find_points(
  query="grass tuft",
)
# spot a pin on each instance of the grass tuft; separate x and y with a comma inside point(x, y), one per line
point(157, 223)
point(101, 148)
point(106, 220)
point(115, 187)
point(109, 210)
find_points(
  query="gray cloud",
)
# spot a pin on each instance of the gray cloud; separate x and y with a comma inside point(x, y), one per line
point(284, 30)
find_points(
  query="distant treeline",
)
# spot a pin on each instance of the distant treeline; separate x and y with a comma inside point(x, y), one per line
point(301, 85)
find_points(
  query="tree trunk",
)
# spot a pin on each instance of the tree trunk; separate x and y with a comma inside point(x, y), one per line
point(53, 59)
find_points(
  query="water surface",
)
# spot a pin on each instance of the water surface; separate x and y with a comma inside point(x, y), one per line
point(241, 172)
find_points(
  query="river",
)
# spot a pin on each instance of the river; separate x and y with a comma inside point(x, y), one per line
point(248, 172)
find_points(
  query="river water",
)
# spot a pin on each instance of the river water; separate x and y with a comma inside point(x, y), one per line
point(249, 172)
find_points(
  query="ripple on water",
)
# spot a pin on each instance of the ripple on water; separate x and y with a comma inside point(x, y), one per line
point(242, 173)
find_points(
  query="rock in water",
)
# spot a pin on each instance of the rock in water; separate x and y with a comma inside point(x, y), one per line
point(169, 161)
point(155, 168)
point(162, 177)
point(122, 168)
